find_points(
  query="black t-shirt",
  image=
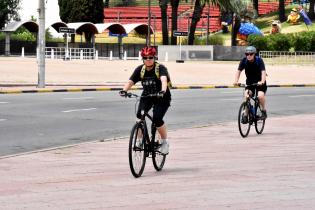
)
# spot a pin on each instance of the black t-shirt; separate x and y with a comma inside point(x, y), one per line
point(151, 83)
point(252, 69)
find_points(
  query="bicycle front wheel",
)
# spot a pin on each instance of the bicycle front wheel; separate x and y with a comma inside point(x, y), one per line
point(259, 122)
point(137, 153)
point(244, 120)
point(157, 158)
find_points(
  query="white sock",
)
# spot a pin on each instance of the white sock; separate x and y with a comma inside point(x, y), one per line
point(163, 140)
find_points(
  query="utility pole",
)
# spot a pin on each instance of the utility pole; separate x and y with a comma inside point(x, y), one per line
point(41, 44)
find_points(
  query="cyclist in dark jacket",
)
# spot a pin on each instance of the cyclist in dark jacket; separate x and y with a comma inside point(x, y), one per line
point(255, 73)
point(155, 80)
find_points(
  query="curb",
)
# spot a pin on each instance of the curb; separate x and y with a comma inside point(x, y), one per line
point(179, 87)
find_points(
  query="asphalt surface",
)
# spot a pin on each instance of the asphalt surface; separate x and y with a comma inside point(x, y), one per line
point(209, 166)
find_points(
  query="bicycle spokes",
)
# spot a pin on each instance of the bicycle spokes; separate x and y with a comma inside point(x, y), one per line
point(137, 154)
point(244, 119)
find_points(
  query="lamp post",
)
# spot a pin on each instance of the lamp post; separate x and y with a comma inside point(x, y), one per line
point(149, 24)
point(41, 44)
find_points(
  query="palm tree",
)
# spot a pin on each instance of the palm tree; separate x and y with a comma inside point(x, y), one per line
point(199, 5)
point(163, 6)
point(311, 13)
point(255, 6)
point(174, 4)
point(282, 17)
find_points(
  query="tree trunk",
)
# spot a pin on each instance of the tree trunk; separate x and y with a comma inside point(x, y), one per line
point(163, 6)
point(174, 4)
point(282, 17)
point(311, 13)
point(235, 28)
point(106, 3)
point(255, 5)
point(194, 21)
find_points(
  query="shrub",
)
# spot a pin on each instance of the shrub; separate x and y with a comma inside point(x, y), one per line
point(213, 40)
point(260, 42)
point(279, 42)
point(303, 41)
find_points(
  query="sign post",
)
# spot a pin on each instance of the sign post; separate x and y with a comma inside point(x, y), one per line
point(180, 34)
point(67, 31)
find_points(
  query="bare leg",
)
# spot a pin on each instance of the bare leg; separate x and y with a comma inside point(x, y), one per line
point(262, 100)
point(162, 131)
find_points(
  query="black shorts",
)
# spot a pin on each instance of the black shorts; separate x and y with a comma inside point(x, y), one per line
point(160, 107)
point(255, 89)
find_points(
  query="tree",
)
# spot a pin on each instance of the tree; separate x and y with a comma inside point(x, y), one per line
point(82, 11)
point(255, 6)
point(174, 4)
point(282, 17)
point(311, 13)
point(8, 11)
point(199, 5)
point(106, 3)
point(163, 6)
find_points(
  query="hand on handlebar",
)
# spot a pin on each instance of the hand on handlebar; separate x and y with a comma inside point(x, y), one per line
point(161, 94)
point(123, 93)
point(237, 84)
point(260, 83)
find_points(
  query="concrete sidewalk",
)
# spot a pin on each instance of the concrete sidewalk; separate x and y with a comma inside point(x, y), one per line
point(21, 74)
point(209, 167)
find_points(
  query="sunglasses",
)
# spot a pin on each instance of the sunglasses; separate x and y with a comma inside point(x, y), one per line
point(247, 54)
point(147, 58)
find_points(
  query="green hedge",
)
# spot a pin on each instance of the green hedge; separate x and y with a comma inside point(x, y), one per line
point(213, 40)
point(303, 41)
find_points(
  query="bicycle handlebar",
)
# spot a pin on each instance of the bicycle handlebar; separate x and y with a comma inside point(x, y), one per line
point(251, 85)
point(132, 95)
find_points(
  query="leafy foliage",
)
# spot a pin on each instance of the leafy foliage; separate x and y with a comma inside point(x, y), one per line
point(8, 11)
point(81, 11)
point(303, 41)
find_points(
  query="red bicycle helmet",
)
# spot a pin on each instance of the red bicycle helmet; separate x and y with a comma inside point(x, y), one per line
point(148, 51)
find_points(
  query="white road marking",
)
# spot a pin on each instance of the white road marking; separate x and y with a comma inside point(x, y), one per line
point(78, 110)
point(1, 120)
point(3, 102)
point(80, 98)
point(300, 96)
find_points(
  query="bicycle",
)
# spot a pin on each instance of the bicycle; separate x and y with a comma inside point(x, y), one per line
point(249, 114)
point(141, 145)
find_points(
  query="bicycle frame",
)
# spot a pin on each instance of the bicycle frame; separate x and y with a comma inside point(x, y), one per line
point(148, 141)
point(147, 146)
point(250, 107)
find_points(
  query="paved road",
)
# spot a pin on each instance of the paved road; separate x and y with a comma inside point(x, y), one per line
point(208, 168)
point(36, 121)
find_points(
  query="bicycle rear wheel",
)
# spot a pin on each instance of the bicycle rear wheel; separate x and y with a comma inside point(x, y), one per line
point(243, 120)
point(137, 153)
point(259, 122)
point(157, 158)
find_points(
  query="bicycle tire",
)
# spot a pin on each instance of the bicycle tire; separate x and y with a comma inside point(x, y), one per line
point(243, 128)
point(158, 158)
point(259, 123)
point(137, 155)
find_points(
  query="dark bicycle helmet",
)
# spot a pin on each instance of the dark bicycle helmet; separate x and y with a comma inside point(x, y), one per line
point(148, 51)
point(250, 49)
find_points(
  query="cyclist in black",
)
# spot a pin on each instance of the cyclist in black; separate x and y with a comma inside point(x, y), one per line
point(255, 73)
point(155, 79)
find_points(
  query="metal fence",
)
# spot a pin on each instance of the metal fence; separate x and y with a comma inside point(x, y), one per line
point(73, 53)
point(285, 57)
